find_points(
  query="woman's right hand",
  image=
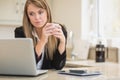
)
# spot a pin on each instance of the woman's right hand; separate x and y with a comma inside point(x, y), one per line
point(47, 31)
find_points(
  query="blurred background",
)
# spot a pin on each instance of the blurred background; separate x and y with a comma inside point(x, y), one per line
point(87, 22)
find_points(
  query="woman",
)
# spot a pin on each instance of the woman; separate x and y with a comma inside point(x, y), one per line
point(49, 38)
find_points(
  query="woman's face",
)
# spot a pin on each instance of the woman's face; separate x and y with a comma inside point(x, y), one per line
point(37, 16)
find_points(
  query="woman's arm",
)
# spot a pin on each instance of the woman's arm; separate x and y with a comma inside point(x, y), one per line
point(19, 33)
point(59, 58)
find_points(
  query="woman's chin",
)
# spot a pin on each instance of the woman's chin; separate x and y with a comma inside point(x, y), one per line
point(38, 26)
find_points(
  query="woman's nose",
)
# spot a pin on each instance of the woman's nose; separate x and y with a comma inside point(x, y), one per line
point(37, 16)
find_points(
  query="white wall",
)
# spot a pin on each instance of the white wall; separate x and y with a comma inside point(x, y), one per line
point(6, 31)
point(10, 17)
point(68, 12)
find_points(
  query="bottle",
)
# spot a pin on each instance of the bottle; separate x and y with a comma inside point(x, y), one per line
point(100, 52)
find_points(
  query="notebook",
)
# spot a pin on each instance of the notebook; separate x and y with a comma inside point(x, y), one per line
point(17, 57)
point(79, 72)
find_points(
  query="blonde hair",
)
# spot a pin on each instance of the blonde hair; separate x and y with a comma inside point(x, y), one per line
point(28, 27)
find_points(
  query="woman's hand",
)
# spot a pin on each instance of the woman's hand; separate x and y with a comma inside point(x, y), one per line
point(56, 31)
point(53, 29)
point(46, 32)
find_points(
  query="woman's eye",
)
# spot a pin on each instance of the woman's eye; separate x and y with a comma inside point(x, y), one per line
point(40, 12)
point(31, 14)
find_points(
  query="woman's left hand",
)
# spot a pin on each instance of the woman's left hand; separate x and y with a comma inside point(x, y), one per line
point(57, 32)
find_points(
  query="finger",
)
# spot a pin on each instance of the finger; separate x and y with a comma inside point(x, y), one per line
point(57, 31)
point(57, 34)
point(49, 26)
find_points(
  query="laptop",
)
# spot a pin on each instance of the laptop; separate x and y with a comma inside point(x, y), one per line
point(17, 57)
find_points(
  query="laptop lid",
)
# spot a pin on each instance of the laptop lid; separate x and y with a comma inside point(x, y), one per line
point(17, 57)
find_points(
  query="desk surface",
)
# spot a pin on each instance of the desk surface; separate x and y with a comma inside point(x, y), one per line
point(110, 71)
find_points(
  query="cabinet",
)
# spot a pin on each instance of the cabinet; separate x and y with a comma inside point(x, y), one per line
point(11, 12)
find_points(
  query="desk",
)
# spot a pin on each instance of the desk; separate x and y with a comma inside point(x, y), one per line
point(110, 71)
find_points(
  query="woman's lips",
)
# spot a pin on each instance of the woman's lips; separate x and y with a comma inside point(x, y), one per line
point(38, 22)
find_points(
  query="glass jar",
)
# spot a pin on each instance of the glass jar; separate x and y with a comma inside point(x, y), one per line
point(100, 52)
point(70, 45)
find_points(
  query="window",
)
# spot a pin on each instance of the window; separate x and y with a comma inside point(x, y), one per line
point(101, 20)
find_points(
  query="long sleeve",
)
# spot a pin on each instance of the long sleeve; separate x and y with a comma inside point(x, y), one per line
point(59, 60)
point(19, 33)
